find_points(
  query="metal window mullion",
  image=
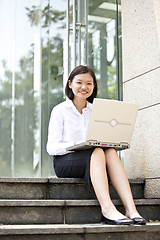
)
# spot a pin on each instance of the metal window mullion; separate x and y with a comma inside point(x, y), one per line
point(67, 27)
point(74, 33)
point(79, 33)
point(86, 33)
point(37, 157)
point(119, 94)
point(13, 119)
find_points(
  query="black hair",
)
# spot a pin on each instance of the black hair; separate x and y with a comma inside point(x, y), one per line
point(79, 70)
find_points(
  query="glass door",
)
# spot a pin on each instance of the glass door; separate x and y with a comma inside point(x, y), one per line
point(94, 39)
point(104, 46)
point(77, 35)
point(41, 42)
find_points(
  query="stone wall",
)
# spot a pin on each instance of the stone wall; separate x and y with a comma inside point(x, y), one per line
point(141, 84)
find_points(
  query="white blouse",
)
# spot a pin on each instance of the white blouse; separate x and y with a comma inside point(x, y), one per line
point(66, 126)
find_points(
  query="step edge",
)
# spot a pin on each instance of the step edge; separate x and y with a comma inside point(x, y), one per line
point(72, 229)
point(23, 180)
point(55, 180)
point(76, 203)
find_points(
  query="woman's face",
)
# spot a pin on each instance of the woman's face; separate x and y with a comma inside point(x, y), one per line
point(82, 86)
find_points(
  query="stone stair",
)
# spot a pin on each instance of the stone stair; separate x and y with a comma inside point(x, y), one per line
point(52, 208)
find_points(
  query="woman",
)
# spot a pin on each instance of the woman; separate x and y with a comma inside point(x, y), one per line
point(68, 125)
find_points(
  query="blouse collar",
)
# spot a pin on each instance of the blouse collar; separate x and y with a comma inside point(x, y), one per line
point(71, 104)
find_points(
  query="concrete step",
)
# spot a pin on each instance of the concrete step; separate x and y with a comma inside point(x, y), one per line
point(66, 211)
point(55, 188)
point(80, 232)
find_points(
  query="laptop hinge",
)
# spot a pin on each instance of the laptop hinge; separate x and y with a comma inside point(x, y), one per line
point(124, 145)
point(92, 142)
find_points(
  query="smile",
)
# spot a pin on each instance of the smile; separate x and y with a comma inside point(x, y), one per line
point(83, 92)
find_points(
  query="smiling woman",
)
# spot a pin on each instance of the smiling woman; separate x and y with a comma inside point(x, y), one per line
point(69, 120)
point(82, 87)
point(82, 80)
point(68, 124)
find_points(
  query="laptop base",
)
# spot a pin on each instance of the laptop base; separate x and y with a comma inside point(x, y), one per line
point(90, 144)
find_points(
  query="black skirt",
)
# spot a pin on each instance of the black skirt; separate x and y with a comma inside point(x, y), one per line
point(74, 165)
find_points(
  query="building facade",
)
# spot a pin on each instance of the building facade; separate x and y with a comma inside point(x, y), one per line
point(141, 83)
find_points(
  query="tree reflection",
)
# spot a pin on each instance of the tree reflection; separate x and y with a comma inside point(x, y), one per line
point(26, 114)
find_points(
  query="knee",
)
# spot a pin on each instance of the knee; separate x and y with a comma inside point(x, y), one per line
point(98, 151)
point(110, 152)
point(98, 157)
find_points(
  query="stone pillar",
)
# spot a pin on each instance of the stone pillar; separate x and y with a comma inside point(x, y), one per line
point(141, 84)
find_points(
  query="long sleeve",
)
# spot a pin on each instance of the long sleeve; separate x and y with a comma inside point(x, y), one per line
point(66, 126)
point(55, 146)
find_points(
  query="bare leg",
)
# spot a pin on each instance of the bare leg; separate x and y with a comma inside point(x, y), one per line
point(120, 182)
point(99, 179)
point(100, 184)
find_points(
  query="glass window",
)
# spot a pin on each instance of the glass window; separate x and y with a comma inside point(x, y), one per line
point(31, 82)
point(104, 42)
point(35, 57)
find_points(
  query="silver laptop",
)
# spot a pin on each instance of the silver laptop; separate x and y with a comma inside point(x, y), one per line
point(111, 125)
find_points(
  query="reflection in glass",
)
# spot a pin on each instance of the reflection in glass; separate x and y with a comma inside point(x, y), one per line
point(104, 44)
point(31, 82)
point(34, 62)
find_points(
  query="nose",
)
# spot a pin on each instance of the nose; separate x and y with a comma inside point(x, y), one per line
point(84, 86)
